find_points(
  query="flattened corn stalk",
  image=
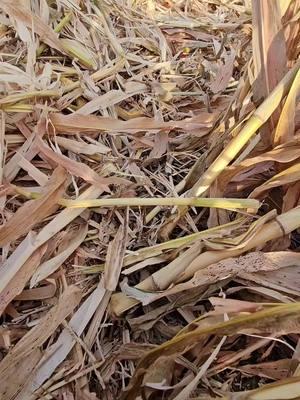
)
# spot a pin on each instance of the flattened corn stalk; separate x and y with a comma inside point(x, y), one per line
point(281, 225)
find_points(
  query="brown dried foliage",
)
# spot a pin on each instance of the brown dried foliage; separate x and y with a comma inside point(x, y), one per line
point(146, 98)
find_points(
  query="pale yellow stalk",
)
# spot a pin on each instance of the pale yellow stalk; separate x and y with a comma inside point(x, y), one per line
point(258, 118)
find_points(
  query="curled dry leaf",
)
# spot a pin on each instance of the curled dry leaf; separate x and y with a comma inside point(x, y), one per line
point(159, 281)
point(288, 175)
point(285, 153)
point(229, 268)
point(279, 317)
point(222, 306)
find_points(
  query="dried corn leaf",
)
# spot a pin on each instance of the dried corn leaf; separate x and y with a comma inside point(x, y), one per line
point(14, 98)
point(13, 374)
point(285, 128)
point(2, 144)
point(286, 389)
point(285, 280)
point(228, 306)
point(19, 225)
point(160, 376)
point(215, 232)
point(80, 52)
point(284, 5)
point(104, 101)
point(283, 318)
point(32, 242)
point(40, 293)
point(284, 153)
point(115, 255)
point(224, 74)
point(33, 172)
point(271, 370)
point(17, 12)
point(269, 54)
point(76, 123)
point(159, 281)
point(70, 244)
point(58, 351)
point(17, 284)
point(289, 175)
point(12, 167)
point(79, 169)
point(187, 391)
point(82, 147)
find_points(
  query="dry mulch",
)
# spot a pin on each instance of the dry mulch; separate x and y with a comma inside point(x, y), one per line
point(149, 199)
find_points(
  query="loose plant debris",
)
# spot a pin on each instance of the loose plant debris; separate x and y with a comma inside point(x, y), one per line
point(150, 199)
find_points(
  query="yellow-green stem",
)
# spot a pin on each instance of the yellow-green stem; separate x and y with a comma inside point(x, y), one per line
point(59, 27)
point(166, 201)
